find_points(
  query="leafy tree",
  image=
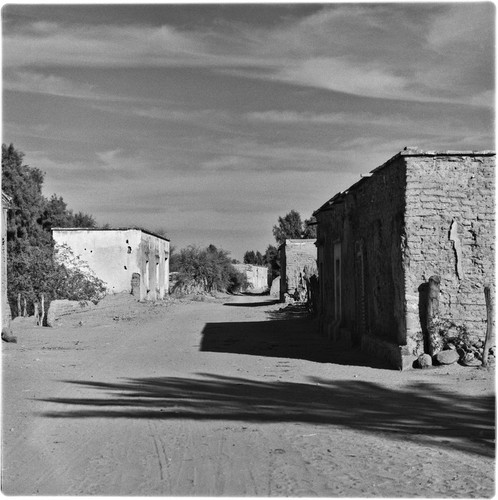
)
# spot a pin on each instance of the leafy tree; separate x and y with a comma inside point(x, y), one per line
point(84, 220)
point(255, 258)
point(31, 268)
point(272, 262)
point(206, 270)
point(34, 272)
point(309, 228)
point(291, 227)
point(55, 214)
point(24, 185)
point(249, 257)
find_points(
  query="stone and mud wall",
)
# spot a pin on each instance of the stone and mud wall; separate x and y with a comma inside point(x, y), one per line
point(257, 276)
point(297, 264)
point(360, 268)
point(450, 233)
point(421, 214)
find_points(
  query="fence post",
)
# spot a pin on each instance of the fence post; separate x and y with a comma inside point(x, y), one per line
point(42, 313)
point(37, 314)
point(489, 326)
point(434, 341)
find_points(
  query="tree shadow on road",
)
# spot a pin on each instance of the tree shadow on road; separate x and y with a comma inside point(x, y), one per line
point(252, 304)
point(422, 412)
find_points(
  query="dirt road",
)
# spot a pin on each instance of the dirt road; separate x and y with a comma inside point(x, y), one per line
point(230, 397)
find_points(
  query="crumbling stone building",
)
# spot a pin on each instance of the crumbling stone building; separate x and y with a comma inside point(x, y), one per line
point(420, 214)
point(132, 260)
point(297, 265)
point(257, 276)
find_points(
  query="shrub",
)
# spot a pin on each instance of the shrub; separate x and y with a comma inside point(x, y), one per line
point(205, 270)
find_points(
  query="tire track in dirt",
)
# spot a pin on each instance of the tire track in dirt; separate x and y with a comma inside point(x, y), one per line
point(110, 425)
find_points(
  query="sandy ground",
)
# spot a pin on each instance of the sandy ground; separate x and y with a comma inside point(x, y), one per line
point(230, 397)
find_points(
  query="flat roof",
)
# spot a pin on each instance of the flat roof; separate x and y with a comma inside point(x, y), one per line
point(109, 229)
point(299, 240)
point(408, 151)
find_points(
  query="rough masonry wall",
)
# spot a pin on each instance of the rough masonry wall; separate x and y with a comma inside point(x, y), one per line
point(450, 219)
point(367, 227)
point(297, 258)
point(257, 276)
point(330, 229)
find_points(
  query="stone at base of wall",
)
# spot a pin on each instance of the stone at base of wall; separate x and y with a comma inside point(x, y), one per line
point(386, 351)
point(60, 308)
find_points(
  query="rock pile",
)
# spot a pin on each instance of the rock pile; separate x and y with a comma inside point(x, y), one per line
point(467, 354)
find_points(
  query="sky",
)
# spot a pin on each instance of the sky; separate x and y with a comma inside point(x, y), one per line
point(209, 122)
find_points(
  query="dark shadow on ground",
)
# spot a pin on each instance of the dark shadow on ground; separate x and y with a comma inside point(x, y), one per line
point(251, 304)
point(422, 412)
point(296, 338)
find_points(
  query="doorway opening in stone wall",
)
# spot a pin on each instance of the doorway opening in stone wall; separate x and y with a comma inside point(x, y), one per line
point(147, 279)
point(337, 287)
point(135, 285)
point(359, 288)
point(157, 287)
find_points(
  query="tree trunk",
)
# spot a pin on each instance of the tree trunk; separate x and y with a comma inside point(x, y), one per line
point(24, 310)
point(19, 312)
point(42, 313)
point(489, 327)
point(434, 340)
point(37, 315)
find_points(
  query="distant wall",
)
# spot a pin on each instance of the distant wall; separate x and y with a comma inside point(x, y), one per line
point(295, 257)
point(257, 276)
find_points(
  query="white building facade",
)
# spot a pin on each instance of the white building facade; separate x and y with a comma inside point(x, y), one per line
point(127, 260)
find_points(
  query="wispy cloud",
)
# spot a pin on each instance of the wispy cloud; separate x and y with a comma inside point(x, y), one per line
point(370, 50)
point(31, 81)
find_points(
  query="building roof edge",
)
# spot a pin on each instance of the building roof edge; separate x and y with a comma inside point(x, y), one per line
point(408, 152)
point(146, 231)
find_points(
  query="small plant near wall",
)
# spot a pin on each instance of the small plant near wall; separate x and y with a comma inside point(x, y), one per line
point(455, 336)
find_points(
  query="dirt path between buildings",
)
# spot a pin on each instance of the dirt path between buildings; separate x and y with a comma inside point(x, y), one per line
point(230, 397)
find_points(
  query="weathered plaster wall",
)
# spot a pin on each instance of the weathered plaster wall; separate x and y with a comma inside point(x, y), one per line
point(295, 256)
point(450, 221)
point(116, 255)
point(257, 276)
point(360, 268)
point(154, 265)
